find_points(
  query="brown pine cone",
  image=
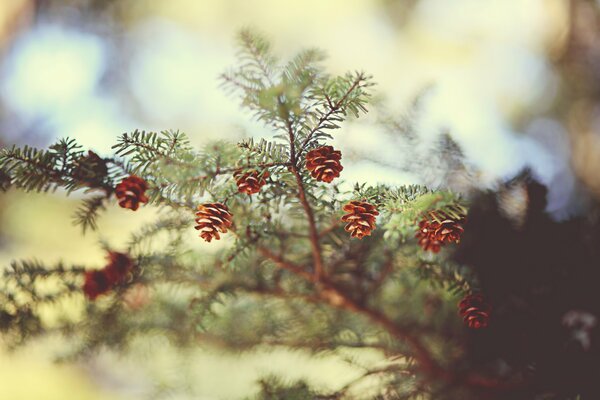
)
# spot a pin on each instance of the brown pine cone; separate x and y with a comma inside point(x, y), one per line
point(360, 218)
point(119, 267)
point(90, 170)
point(131, 192)
point(324, 163)
point(428, 239)
point(433, 235)
point(450, 231)
point(96, 283)
point(212, 219)
point(250, 182)
point(475, 311)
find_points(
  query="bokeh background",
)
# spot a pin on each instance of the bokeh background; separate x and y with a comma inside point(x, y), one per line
point(514, 82)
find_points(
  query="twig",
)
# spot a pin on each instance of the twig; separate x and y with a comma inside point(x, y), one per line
point(334, 225)
point(332, 109)
point(333, 296)
point(282, 263)
point(312, 226)
point(221, 171)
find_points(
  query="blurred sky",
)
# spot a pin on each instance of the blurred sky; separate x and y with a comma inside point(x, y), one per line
point(154, 65)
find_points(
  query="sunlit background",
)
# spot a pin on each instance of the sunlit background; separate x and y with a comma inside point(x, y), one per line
point(488, 71)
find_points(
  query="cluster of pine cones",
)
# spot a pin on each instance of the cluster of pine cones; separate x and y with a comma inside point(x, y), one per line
point(214, 219)
point(324, 165)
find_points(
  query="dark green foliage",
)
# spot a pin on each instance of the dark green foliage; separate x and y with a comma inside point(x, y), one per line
point(32, 169)
point(24, 291)
point(263, 152)
point(88, 212)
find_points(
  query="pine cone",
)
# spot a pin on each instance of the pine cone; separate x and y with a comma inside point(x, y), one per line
point(90, 170)
point(250, 182)
point(212, 219)
point(475, 311)
point(450, 231)
point(130, 192)
point(96, 283)
point(118, 268)
point(324, 163)
point(360, 218)
point(427, 236)
point(433, 235)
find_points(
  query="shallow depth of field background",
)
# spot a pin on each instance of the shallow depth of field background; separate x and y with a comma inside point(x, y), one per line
point(93, 69)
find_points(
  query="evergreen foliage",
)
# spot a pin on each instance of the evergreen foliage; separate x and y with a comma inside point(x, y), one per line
point(288, 274)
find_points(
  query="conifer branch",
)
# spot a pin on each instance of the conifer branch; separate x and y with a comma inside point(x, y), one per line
point(312, 226)
point(425, 361)
point(268, 195)
point(333, 109)
point(282, 263)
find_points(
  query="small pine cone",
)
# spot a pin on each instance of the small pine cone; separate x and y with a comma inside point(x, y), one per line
point(250, 182)
point(360, 218)
point(90, 170)
point(475, 311)
point(96, 283)
point(427, 237)
point(119, 267)
point(130, 192)
point(324, 163)
point(212, 219)
point(450, 231)
point(433, 235)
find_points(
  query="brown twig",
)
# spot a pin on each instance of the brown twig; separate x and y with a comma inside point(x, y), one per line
point(282, 263)
point(333, 296)
point(338, 299)
point(312, 226)
point(334, 225)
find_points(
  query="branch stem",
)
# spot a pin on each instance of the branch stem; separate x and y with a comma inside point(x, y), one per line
point(333, 108)
point(313, 233)
point(335, 297)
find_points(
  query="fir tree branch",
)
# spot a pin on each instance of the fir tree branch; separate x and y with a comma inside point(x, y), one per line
point(229, 170)
point(312, 226)
point(333, 109)
point(335, 223)
point(258, 49)
point(282, 263)
point(87, 214)
point(425, 361)
point(337, 298)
